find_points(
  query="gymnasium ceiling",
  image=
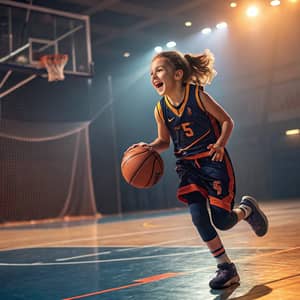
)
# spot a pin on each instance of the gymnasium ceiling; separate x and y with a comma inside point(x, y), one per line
point(138, 25)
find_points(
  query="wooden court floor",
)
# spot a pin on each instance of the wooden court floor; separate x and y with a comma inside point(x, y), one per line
point(153, 256)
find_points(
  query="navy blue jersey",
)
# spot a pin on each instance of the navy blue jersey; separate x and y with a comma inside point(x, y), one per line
point(191, 128)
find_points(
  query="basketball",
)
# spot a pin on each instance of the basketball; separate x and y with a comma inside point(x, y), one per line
point(142, 167)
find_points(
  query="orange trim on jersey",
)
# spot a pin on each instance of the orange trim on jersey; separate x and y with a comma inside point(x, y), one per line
point(197, 156)
point(222, 203)
point(225, 203)
point(189, 189)
point(178, 112)
point(193, 143)
point(159, 111)
point(199, 102)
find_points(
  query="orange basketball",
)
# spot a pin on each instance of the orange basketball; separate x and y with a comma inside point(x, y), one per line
point(142, 167)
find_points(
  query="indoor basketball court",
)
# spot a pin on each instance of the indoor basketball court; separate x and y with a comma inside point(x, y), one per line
point(83, 215)
point(148, 256)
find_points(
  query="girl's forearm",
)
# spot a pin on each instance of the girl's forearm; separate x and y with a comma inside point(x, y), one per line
point(159, 145)
point(227, 127)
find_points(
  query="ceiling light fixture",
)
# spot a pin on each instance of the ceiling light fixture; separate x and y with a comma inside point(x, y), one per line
point(206, 30)
point(275, 3)
point(158, 49)
point(292, 132)
point(171, 44)
point(222, 25)
point(252, 11)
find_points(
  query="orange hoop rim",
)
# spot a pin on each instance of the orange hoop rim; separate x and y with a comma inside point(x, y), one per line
point(54, 59)
point(54, 64)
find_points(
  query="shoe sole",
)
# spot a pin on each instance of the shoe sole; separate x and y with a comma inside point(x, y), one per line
point(255, 203)
point(233, 280)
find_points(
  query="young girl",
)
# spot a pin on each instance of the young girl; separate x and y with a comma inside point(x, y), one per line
point(200, 129)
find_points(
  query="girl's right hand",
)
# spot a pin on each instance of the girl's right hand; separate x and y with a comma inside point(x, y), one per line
point(216, 151)
point(140, 144)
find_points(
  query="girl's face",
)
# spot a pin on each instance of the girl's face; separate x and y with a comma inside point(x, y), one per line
point(163, 76)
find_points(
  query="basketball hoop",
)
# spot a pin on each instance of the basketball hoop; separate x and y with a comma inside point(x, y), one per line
point(54, 64)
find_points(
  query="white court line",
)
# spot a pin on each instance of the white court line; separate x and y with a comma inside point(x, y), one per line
point(171, 246)
point(95, 238)
point(106, 237)
point(158, 244)
point(81, 256)
point(149, 246)
point(100, 261)
point(250, 258)
point(147, 257)
point(130, 248)
point(123, 250)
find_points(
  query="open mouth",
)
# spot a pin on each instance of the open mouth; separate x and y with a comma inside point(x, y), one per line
point(158, 85)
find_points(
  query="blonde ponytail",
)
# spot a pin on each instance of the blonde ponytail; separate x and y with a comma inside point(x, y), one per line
point(202, 67)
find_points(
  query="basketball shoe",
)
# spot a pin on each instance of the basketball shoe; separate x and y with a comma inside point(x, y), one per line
point(225, 277)
point(257, 219)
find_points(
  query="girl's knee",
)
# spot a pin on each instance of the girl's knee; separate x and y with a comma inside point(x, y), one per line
point(201, 220)
point(222, 224)
point(223, 219)
point(198, 217)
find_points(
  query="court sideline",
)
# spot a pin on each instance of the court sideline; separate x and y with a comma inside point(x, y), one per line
point(153, 256)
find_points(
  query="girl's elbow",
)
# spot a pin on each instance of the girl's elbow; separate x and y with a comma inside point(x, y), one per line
point(167, 144)
point(229, 122)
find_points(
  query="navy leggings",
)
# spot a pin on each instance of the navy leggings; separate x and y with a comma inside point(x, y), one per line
point(221, 218)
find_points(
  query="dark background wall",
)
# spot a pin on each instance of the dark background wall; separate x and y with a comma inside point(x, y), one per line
point(258, 83)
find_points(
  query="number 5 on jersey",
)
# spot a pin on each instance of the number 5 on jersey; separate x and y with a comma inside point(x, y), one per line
point(187, 130)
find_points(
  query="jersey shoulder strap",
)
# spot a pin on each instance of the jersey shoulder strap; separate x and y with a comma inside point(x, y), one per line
point(159, 109)
point(199, 99)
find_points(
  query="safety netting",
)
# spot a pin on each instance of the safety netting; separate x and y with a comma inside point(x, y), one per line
point(45, 171)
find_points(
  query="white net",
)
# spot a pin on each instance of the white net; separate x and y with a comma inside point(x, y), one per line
point(45, 171)
point(55, 66)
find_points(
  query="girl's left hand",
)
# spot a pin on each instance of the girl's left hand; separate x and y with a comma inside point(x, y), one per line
point(141, 144)
point(216, 151)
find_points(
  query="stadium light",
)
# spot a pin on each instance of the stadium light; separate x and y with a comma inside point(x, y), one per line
point(275, 3)
point(292, 132)
point(206, 30)
point(158, 49)
point(222, 25)
point(171, 44)
point(252, 11)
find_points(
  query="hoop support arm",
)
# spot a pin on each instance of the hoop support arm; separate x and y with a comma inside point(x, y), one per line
point(16, 86)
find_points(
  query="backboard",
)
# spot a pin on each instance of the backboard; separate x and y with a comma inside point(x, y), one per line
point(28, 32)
